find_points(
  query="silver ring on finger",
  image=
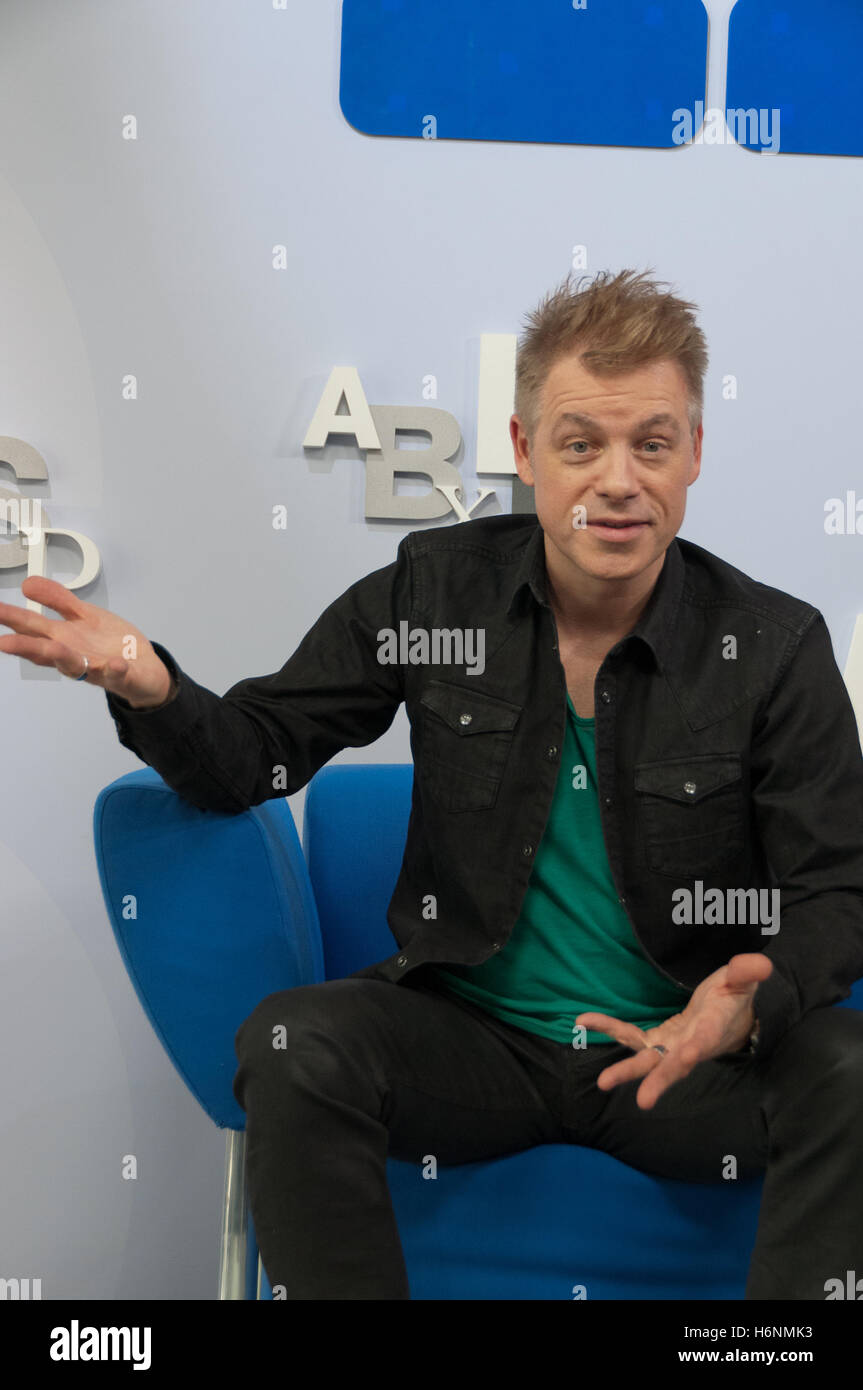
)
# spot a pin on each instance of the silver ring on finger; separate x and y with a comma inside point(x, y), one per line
point(657, 1047)
point(83, 675)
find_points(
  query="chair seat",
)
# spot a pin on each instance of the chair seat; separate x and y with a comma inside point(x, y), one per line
point(541, 1223)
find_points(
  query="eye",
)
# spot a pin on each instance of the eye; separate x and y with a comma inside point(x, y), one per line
point(577, 442)
point(659, 443)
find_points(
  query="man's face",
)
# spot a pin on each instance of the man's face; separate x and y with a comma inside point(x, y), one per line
point(620, 447)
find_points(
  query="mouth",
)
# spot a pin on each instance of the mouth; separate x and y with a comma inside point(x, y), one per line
point(618, 530)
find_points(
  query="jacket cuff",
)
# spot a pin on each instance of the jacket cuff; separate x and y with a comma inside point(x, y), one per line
point(135, 727)
point(777, 1008)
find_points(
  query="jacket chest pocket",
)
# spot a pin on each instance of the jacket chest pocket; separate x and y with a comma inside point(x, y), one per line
point(467, 737)
point(692, 813)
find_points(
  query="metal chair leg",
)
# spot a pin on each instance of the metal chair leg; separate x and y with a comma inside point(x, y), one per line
point(235, 1214)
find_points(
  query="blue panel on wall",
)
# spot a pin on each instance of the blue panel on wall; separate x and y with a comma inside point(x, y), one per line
point(537, 70)
point(802, 59)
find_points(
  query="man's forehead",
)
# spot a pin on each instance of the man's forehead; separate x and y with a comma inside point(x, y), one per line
point(570, 389)
point(580, 419)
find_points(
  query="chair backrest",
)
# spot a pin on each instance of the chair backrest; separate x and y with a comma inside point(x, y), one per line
point(354, 831)
point(211, 912)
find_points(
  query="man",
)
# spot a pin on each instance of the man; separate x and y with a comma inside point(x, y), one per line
point(657, 751)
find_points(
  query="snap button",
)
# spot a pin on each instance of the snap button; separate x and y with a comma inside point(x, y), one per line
point(465, 718)
point(495, 945)
point(402, 960)
point(689, 788)
point(551, 752)
point(527, 851)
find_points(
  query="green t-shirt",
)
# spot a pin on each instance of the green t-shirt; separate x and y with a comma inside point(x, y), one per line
point(572, 948)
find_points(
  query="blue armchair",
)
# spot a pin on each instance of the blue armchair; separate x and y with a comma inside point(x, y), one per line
point(212, 912)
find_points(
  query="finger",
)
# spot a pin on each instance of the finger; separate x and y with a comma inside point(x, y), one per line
point(699, 1046)
point(55, 595)
point(34, 649)
point(46, 652)
point(670, 1068)
point(626, 1033)
point(23, 620)
point(630, 1069)
point(659, 1073)
point(678, 1061)
point(750, 967)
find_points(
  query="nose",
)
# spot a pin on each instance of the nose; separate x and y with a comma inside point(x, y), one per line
point(617, 478)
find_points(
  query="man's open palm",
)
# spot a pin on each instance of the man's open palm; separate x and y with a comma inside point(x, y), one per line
point(717, 1019)
point(121, 658)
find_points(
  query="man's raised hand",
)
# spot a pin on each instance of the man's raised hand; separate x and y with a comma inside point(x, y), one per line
point(121, 659)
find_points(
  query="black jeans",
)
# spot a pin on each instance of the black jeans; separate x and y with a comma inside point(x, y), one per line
point(370, 1068)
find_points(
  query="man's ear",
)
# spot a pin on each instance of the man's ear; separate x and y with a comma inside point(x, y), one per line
point(521, 451)
point(697, 439)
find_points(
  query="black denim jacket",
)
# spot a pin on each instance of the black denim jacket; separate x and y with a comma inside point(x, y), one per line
point(740, 770)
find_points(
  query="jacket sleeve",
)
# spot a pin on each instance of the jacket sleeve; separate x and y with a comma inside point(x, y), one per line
point(268, 735)
point(807, 790)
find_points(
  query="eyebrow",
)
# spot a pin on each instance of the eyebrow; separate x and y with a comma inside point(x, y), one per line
point(587, 421)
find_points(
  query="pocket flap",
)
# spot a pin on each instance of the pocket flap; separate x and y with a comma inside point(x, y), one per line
point(689, 779)
point(469, 711)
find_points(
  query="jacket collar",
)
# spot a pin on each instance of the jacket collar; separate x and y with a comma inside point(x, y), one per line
point(658, 623)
